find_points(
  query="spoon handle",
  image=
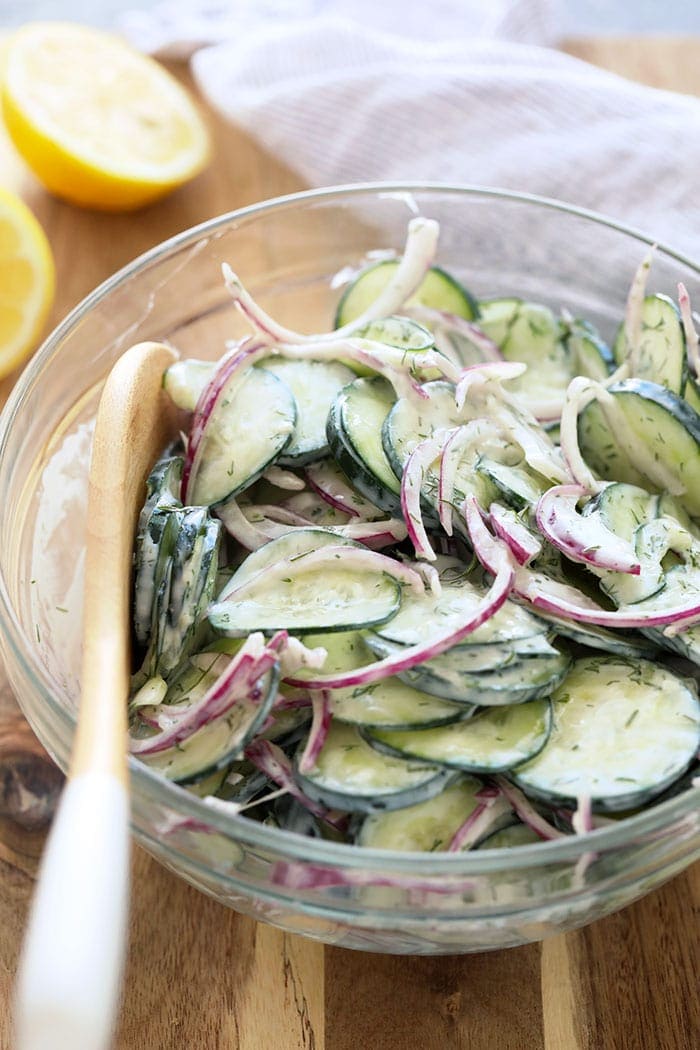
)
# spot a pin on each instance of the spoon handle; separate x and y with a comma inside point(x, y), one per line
point(71, 964)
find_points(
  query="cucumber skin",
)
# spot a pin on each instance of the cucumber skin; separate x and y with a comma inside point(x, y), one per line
point(354, 467)
point(470, 310)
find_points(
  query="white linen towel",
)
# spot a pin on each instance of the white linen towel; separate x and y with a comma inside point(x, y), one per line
point(455, 92)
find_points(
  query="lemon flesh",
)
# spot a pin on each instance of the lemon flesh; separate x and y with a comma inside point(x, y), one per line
point(101, 125)
point(27, 281)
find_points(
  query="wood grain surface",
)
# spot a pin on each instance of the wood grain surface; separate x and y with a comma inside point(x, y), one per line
point(201, 977)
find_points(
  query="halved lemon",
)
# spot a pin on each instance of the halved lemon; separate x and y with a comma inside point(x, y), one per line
point(100, 124)
point(27, 281)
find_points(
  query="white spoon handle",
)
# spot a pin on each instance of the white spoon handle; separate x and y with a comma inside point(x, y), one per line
point(71, 963)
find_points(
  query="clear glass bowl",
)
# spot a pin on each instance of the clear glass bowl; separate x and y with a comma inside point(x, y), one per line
point(290, 253)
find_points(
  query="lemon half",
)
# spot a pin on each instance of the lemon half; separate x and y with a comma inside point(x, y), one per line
point(100, 124)
point(27, 281)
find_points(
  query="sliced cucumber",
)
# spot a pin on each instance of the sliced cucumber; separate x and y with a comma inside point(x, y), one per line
point(518, 485)
point(590, 356)
point(622, 508)
point(351, 775)
point(652, 442)
point(438, 290)
point(427, 826)
point(423, 616)
point(401, 332)
point(354, 433)
point(250, 426)
point(329, 599)
point(315, 385)
point(185, 380)
point(294, 545)
point(493, 741)
point(660, 357)
point(623, 731)
point(388, 703)
point(508, 838)
point(627, 643)
point(496, 316)
point(162, 494)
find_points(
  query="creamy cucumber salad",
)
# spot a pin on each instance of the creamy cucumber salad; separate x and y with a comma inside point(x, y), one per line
point(429, 580)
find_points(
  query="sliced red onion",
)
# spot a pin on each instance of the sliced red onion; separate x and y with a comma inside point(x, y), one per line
point(585, 540)
point(357, 559)
point(442, 322)
point(284, 479)
point(295, 655)
point(527, 812)
point(633, 312)
point(488, 371)
point(272, 761)
point(417, 258)
point(430, 577)
point(561, 598)
point(320, 724)
point(691, 335)
point(326, 479)
point(582, 820)
point(424, 454)
point(249, 535)
point(237, 682)
point(579, 393)
point(483, 818)
point(538, 449)
point(303, 876)
point(508, 526)
point(232, 364)
point(458, 442)
point(418, 654)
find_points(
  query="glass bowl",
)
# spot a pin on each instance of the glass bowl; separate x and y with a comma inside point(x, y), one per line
point(292, 253)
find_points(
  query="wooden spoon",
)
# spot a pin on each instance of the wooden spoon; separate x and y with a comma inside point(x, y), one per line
point(70, 970)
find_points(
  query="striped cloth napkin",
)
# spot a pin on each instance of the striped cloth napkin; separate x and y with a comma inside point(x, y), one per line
point(458, 92)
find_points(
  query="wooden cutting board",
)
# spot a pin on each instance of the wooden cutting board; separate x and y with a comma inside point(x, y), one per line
point(204, 978)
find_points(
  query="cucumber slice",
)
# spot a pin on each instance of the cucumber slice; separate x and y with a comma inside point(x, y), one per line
point(623, 731)
point(193, 575)
point(496, 316)
point(622, 508)
point(508, 838)
point(649, 418)
point(428, 826)
point(354, 433)
point(401, 332)
point(425, 615)
point(529, 332)
point(386, 704)
point(691, 393)
point(217, 744)
point(162, 493)
point(315, 385)
point(351, 775)
point(493, 741)
point(330, 599)
point(518, 485)
point(627, 643)
point(446, 676)
point(185, 380)
point(661, 355)
point(249, 428)
point(438, 290)
point(590, 356)
point(294, 544)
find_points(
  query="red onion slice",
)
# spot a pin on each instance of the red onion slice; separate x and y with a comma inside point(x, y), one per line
point(418, 255)
point(424, 454)
point(508, 526)
point(584, 540)
point(328, 481)
point(691, 335)
point(418, 654)
point(320, 724)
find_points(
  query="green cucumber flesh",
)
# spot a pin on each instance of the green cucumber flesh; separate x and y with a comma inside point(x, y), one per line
point(623, 731)
point(492, 741)
point(438, 290)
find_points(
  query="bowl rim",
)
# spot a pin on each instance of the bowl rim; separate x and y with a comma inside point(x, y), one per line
point(158, 790)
